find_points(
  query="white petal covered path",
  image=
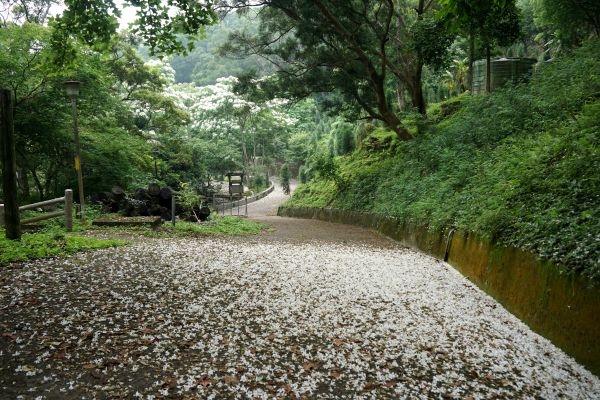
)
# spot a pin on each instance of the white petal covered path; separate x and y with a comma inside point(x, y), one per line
point(265, 318)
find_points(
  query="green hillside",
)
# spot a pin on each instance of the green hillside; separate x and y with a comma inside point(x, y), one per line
point(520, 166)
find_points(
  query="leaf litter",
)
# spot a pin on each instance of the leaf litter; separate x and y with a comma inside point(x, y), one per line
point(218, 318)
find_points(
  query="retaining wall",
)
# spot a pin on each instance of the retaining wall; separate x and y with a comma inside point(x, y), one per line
point(565, 308)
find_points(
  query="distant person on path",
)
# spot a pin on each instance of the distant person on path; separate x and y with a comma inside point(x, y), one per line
point(285, 179)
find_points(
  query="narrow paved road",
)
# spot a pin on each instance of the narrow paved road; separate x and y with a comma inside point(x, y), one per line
point(307, 310)
point(301, 230)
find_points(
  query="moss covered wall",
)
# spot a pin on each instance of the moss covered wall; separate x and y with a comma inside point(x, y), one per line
point(563, 308)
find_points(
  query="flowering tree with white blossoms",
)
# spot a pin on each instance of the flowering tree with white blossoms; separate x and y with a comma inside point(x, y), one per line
point(218, 114)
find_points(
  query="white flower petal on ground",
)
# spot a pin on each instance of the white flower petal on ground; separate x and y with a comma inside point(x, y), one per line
point(251, 318)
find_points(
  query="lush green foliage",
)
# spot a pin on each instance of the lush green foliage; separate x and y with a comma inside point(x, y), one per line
point(120, 104)
point(356, 49)
point(162, 25)
point(519, 166)
point(136, 125)
point(221, 226)
point(341, 140)
point(569, 20)
point(48, 243)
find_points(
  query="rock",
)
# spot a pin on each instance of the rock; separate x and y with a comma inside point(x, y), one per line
point(117, 193)
point(153, 189)
point(203, 213)
point(165, 197)
point(142, 195)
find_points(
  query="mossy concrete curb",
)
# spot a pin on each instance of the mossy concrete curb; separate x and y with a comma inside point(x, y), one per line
point(561, 307)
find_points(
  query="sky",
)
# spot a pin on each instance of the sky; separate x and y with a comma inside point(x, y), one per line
point(127, 14)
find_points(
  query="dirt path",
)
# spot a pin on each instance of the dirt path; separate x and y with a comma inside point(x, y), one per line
point(308, 310)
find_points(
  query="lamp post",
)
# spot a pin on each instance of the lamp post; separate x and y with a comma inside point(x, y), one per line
point(72, 89)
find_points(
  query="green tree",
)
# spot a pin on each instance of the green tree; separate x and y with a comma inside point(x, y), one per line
point(570, 20)
point(120, 105)
point(355, 48)
point(342, 133)
point(494, 22)
point(162, 25)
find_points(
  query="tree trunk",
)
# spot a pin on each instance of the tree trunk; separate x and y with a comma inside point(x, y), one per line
point(24, 183)
point(400, 96)
point(243, 140)
point(418, 101)
point(38, 184)
point(9, 165)
point(488, 69)
point(153, 189)
point(394, 123)
point(165, 197)
point(386, 113)
point(117, 193)
point(471, 60)
point(49, 174)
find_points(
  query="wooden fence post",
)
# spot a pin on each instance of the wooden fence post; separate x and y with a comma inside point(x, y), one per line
point(2, 214)
point(69, 210)
point(9, 166)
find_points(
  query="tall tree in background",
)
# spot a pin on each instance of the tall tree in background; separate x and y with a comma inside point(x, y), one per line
point(494, 22)
point(353, 47)
point(571, 20)
point(81, 43)
point(21, 11)
point(422, 40)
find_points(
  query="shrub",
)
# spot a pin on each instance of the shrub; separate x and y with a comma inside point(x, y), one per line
point(519, 166)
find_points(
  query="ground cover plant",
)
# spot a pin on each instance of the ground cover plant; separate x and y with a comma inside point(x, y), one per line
point(519, 166)
point(217, 225)
point(52, 240)
point(49, 243)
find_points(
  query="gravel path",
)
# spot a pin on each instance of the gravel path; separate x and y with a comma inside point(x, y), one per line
point(261, 317)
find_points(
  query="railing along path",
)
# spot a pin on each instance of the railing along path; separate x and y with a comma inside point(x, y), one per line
point(67, 212)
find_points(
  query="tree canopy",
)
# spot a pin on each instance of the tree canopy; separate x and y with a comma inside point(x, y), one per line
point(353, 47)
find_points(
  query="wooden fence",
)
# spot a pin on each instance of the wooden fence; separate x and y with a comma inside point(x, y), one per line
point(67, 212)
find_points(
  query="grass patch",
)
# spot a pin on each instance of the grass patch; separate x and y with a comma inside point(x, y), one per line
point(219, 226)
point(48, 243)
point(216, 226)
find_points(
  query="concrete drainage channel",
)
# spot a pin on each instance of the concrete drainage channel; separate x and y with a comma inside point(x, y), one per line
point(561, 307)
